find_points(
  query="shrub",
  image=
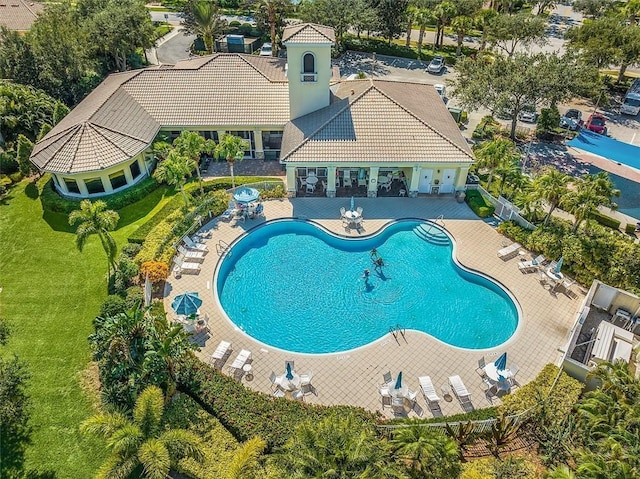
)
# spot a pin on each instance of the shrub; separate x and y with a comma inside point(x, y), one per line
point(630, 228)
point(157, 270)
point(8, 162)
point(606, 220)
point(131, 250)
point(486, 129)
point(113, 305)
point(478, 204)
point(134, 297)
point(16, 177)
point(247, 413)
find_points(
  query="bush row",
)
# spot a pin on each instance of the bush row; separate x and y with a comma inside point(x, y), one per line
point(588, 254)
point(478, 204)
point(52, 201)
point(606, 220)
point(246, 413)
point(382, 47)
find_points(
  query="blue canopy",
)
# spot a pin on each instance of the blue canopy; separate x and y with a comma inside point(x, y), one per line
point(501, 362)
point(186, 304)
point(558, 266)
point(398, 381)
point(246, 195)
point(289, 375)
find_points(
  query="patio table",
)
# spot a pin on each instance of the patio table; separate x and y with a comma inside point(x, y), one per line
point(312, 180)
point(290, 384)
point(494, 374)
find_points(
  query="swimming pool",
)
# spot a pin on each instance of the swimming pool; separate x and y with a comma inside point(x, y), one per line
point(292, 285)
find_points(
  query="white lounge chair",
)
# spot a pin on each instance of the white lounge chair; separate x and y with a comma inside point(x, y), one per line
point(189, 267)
point(531, 266)
point(428, 390)
point(240, 360)
point(509, 251)
point(459, 389)
point(221, 351)
point(191, 255)
point(193, 245)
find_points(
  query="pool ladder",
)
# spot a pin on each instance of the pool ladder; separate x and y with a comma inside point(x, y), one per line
point(398, 330)
point(222, 248)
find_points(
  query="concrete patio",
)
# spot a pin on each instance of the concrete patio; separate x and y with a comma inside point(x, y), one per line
point(353, 377)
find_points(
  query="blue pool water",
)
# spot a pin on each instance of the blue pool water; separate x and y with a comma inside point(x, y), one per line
point(293, 286)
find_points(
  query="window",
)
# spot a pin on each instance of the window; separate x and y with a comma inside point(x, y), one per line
point(272, 140)
point(94, 185)
point(308, 63)
point(211, 135)
point(72, 185)
point(247, 135)
point(118, 180)
point(135, 169)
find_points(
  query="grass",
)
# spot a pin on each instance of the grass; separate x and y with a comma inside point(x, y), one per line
point(51, 292)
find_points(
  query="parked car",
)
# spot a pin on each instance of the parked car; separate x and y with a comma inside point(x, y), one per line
point(528, 114)
point(436, 65)
point(597, 123)
point(571, 120)
point(266, 50)
point(442, 91)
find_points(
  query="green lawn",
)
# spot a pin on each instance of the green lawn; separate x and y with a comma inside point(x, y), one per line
point(51, 292)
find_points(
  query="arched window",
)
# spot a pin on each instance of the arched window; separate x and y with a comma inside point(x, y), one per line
point(308, 63)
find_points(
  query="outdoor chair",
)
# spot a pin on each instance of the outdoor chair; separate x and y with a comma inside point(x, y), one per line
point(428, 391)
point(386, 186)
point(308, 389)
point(480, 369)
point(289, 363)
point(509, 251)
point(346, 182)
point(411, 396)
point(193, 245)
point(278, 393)
point(298, 395)
point(191, 255)
point(459, 389)
point(359, 210)
point(189, 268)
point(397, 404)
point(343, 211)
point(384, 391)
point(387, 378)
point(272, 379)
point(324, 186)
point(386, 401)
point(567, 284)
point(310, 188)
point(306, 379)
point(490, 389)
point(220, 352)
point(303, 183)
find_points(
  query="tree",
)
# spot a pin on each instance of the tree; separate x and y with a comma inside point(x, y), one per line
point(392, 17)
point(429, 453)
point(271, 14)
point(25, 147)
point(502, 432)
point(552, 187)
point(174, 170)
point(364, 16)
point(524, 80)
point(23, 110)
point(338, 447)
point(246, 460)
point(140, 447)
point(424, 18)
point(492, 154)
point(338, 14)
point(191, 145)
point(17, 61)
point(202, 18)
point(594, 8)
point(483, 19)
point(443, 13)
point(508, 32)
point(96, 219)
point(231, 148)
point(123, 26)
point(544, 4)
point(461, 24)
point(590, 192)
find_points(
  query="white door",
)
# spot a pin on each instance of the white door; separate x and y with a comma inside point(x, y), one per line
point(448, 178)
point(424, 186)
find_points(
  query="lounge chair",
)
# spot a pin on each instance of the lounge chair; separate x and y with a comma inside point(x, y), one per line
point(459, 389)
point(228, 214)
point(193, 245)
point(241, 359)
point(191, 255)
point(428, 390)
point(220, 352)
point(509, 251)
point(189, 267)
point(531, 266)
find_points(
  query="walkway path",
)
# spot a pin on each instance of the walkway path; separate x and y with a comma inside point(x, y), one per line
point(352, 377)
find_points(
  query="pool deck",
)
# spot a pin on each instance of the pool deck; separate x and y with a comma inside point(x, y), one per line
point(353, 377)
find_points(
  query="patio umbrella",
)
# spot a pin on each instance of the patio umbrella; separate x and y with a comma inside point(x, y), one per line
point(289, 375)
point(398, 381)
point(353, 204)
point(558, 266)
point(186, 304)
point(246, 195)
point(501, 362)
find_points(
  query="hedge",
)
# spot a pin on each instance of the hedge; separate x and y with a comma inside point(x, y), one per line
point(478, 204)
point(475, 415)
point(52, 201)
point(247, 413)
point(630, 228)
point(606, 220)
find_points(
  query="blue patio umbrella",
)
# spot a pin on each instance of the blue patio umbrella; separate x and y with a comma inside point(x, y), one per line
point(398, 381)
point(558, 266)
point(501, 362)
point(289, 375)
point(186, 304)
point(246, 195)
point(353, 204)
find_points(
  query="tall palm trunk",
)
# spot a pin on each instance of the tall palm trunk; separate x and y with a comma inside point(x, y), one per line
point(421, 37)
point(233, 180)
point(409, 28)
point(460, 40)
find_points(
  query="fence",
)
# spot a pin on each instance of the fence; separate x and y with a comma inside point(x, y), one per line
point(505, 210)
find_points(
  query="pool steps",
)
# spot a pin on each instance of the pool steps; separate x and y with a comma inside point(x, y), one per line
point(432, 235)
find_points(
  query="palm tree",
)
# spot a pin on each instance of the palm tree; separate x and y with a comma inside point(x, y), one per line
point(96, 219)
point(207, 22)
point(336, 447)
point(461, 25)
point(552, 187)
point(591, 192)
point(246, 460)
point(464, 436)
point(272, 13)
point(231, 148)
point(428, 452)
point(492, 154)
point(424, 18)
point(503, 431)
point(141, 447)
point(412, 14)
point(192, 144)
point(443, 13)
point(175, 170)
point(483, 18)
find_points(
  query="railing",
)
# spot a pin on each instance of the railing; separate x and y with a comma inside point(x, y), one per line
point(505, 210)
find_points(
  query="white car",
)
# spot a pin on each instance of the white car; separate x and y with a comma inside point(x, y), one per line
point(442, 91)
point(266, 50)
point(436, 65)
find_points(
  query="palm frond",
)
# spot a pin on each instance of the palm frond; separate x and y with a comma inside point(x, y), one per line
point(155, 460)
point(148, 410)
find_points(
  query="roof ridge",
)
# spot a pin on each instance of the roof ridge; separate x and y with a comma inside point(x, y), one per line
point(314, 25)
point(70, 137)
point(29, 8)
point(87, 127)
point(97, 129)
point(439, 133)
point(329, 120)
point(241, 56)
point(101, 104)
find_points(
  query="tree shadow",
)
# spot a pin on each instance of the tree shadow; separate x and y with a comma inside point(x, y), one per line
point(58, 221)
point(31, 190)
point(31, 474)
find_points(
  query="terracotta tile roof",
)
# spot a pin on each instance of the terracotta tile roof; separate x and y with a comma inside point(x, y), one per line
point(308, 33)
point(373, 121)
point(128, 109)
point(19, 14)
